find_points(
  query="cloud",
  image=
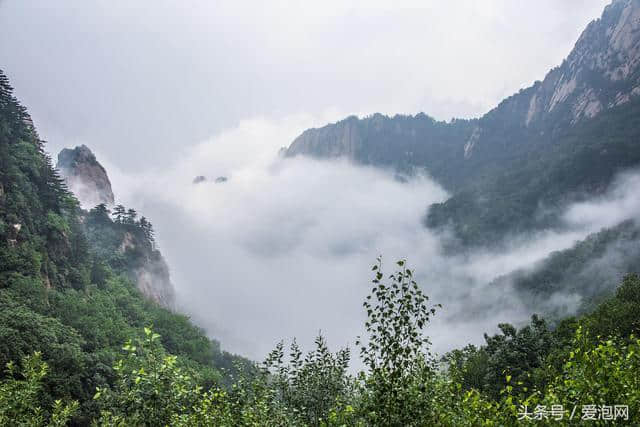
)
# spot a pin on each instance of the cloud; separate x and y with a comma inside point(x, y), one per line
point(611, 208)
point(284, 247)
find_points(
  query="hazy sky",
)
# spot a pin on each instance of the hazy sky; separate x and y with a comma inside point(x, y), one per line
point(140, 81)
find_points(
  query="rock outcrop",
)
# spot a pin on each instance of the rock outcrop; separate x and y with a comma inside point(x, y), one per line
point(89, 181)
point(341, 139)
point(148, 268)
point(85, 176)
point(602, 70)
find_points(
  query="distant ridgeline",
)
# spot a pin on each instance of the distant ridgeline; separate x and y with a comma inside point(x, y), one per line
point(515, 169)
point(558, 141)
point(66, 286)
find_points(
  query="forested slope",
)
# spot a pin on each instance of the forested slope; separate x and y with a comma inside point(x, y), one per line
point(64, 285)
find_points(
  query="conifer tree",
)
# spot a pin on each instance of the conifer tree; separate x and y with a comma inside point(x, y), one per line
point(130, 217)
point(118, 213)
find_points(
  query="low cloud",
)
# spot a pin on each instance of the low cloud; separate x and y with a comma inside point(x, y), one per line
point(284, 247)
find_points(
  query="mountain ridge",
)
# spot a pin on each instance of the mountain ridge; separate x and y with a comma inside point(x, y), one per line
point(541, 129)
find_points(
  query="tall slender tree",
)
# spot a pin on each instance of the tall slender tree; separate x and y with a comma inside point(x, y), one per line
point(118, 213)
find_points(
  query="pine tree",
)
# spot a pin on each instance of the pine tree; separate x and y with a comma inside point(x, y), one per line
point(130, 217)
point(149, 232)
point(119, 213)
point(145, 225)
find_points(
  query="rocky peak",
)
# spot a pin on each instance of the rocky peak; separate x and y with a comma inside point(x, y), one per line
point(88, 180)
point(85, 176)
point(602, 70)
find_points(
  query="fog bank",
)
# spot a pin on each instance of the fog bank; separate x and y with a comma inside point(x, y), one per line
point(284, 247)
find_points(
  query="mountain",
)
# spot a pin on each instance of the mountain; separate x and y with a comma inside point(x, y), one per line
point(85, 176)
point(65, 284)
point(126, 242)
point(556, 142)
point(578, 278)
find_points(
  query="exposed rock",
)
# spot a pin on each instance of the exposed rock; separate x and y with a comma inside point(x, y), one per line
point(341, 139)
point(471, 142)
point(12, 234)
point(148, 269)
point(153, 281)
point(127, 243)
point(198, 179)
point(606, 56)
point(85, 177)
point(221, 179)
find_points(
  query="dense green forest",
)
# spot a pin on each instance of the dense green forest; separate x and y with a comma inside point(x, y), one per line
point(65, 288)
point(550, 169)
point(581, 369)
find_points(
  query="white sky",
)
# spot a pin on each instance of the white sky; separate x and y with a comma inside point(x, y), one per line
point(141, 81)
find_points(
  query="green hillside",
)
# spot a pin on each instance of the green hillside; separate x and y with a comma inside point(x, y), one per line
point(65, 289)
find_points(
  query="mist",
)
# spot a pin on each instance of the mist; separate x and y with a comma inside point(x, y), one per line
point(284, 247)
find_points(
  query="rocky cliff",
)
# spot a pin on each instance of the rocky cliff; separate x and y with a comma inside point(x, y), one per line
point(85, 176)
point(144, 264)
point(124, 241)
point(602, 70)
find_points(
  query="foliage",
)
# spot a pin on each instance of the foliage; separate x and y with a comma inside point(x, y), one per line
point(20, 396)
point(313, 386)
point(396, 352)
point(66, 287)
point(533, 366)
point(150, 386)
point(592, 268)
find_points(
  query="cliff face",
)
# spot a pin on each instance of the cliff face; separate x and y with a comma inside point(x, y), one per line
point(85, 176)
point(602, 70)
point(154, 282)
point(123, 242)
point(341, 139)
point(145, 264)
point(127, 245)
